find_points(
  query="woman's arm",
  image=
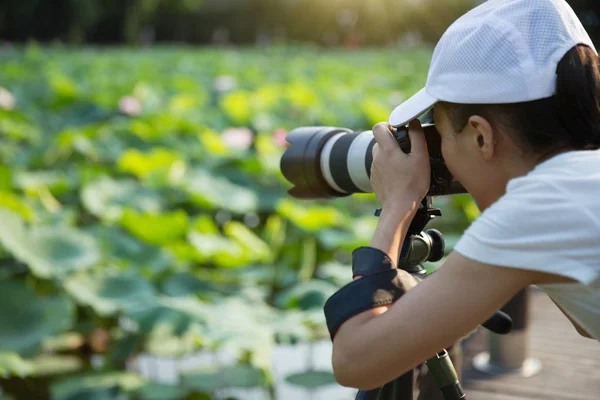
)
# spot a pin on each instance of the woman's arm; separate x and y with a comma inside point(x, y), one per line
point(381, 344)
point(393, 225)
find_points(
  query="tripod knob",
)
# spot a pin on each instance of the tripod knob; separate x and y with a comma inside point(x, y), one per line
point(438, 247)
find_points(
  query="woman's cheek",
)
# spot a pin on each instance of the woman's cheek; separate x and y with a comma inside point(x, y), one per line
point(447, 157)
point(452, 160)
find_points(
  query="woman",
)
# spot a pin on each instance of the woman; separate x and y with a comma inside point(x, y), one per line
point(515, 88)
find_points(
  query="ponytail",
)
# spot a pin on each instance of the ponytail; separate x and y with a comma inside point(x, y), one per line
point(577, 99)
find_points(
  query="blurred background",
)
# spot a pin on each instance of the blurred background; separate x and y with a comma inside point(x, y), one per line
point(348, 23)
point(148, 247)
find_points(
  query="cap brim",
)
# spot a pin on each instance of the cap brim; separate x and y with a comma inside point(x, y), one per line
point(412, 108)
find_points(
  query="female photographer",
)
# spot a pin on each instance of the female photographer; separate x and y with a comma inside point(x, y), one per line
point(515, 88)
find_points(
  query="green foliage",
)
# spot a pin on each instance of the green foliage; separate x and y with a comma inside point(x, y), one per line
point(312, 379)
point(38, 317)
point(109, 293)
point(335, 22)
point(212, 379)
point(13, 365)
point(143, 210)
point(48, 251)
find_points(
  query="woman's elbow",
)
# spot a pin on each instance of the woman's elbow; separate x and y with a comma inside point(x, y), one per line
point(338, 362)
point(347, 372)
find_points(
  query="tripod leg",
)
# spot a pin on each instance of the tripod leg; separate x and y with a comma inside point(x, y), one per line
point(427, 385)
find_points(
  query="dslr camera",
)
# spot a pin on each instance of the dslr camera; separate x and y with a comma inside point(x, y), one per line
point(328, 162)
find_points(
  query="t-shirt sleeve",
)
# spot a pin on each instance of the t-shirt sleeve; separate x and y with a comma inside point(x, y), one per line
point(535, 226)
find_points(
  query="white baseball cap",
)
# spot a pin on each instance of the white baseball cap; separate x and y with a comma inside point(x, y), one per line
point(502, 51)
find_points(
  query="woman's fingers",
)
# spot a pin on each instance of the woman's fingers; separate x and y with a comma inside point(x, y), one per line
point(375, 150)
point(384, 138)
point(388, 143)
point(417, 138)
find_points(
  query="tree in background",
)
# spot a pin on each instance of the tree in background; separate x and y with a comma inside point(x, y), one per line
point(332, 22)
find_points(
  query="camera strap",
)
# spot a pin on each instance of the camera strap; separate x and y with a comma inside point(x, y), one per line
point(369, 260)
point(371, 291)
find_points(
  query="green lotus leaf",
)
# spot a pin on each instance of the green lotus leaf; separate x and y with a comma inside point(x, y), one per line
point(12, 202)
point(312, 379)
point(221, 250)
point(237, 106)
point(177, 313)
point(374, 110)
point(50, 364)
point(214, 325)
point(6, 178)
point(107, 198)
point(165, 341)
point(64, 342)
point(209, 245)
point(63, 88)
point(289, 327)
point(38, 317)
point(306, 295)
point(205, 224)
point(237, 376)
point(310, 218)
point(159, 166)
point(48, 251)
point(213, 192)
point(257, 337)
point(332, 239)
point(156, 229)
point(254, 246)
point(213, 143)
point(109, 293)
point(33, 181)
point(11, 364)
point(109, 393)
point(158, 391)
point(337, 273)
point(124, 249)
point(185, 284)
point(363, 228)
point(95, 384)
point(269, 155)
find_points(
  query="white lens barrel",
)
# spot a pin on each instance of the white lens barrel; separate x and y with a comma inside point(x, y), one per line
point(357, 167)
point(345, 162)
point(325, 159)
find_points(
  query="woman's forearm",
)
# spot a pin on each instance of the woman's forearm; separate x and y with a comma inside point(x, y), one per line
point(391, 230)
point(392, 227)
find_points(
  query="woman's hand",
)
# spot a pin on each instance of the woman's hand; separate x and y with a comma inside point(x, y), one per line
point(398, 178)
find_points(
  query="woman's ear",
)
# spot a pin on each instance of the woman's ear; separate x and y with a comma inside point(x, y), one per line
point(482, 134)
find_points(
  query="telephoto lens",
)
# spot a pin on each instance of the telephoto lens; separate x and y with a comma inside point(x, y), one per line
point(326, 162)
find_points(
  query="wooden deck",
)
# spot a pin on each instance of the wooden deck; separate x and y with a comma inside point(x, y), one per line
point(571, 363)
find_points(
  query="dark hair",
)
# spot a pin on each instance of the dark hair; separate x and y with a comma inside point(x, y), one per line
point(570, 119)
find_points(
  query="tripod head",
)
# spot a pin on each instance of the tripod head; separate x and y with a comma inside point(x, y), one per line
point(421, 246)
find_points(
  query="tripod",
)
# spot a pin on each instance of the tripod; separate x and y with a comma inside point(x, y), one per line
point(419, 247)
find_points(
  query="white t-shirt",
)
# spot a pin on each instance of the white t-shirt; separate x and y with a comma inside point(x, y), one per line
point(549, 220)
